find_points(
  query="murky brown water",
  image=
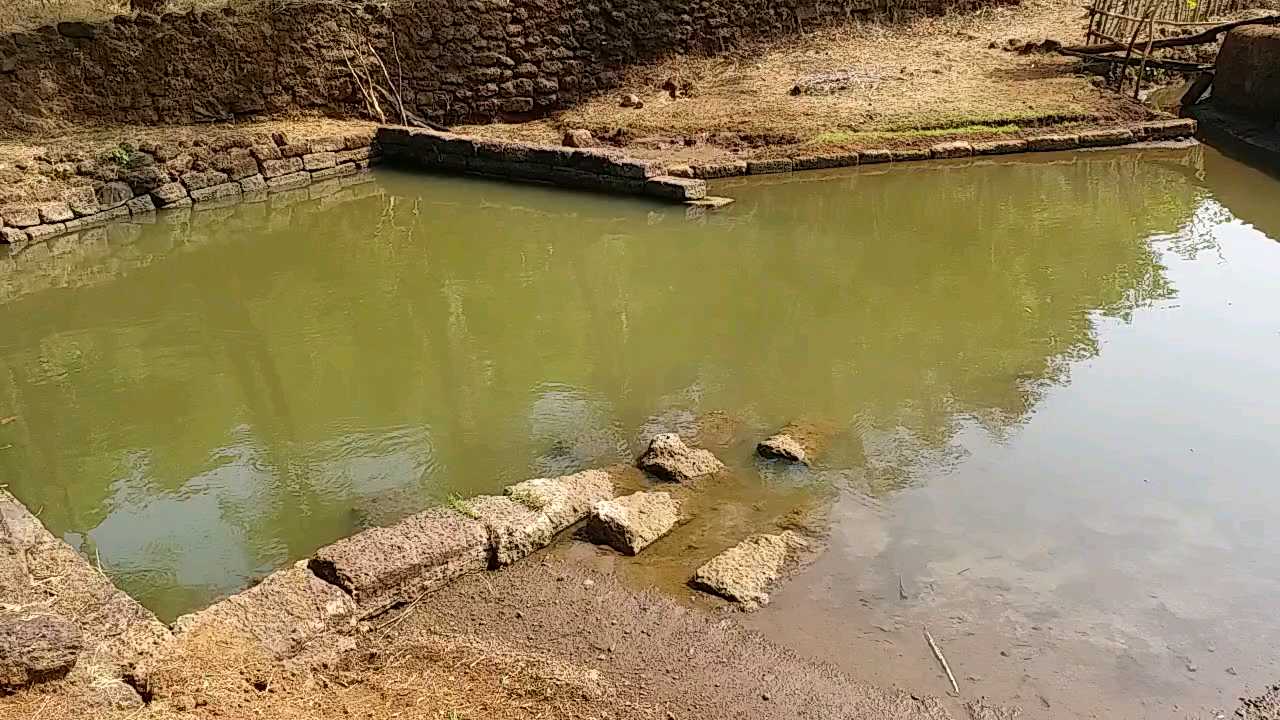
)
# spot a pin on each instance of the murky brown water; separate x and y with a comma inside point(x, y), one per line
point(1048, 387)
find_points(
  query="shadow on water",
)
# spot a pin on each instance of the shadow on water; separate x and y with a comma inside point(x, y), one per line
point(205, 398)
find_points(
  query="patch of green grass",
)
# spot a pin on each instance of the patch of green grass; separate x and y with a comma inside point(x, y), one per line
point(460, 506)
point(526, 498)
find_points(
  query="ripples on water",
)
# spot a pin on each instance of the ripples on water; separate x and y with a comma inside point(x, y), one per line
point(1041, 385)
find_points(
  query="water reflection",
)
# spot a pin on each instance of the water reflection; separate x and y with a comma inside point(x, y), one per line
point(222, 392)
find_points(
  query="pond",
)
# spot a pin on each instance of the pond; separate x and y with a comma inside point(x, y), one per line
point(1047, 388)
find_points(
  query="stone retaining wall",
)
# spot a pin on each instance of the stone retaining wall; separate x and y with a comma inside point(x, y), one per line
point(589, 169)
point(452, 60)
point(244, 168)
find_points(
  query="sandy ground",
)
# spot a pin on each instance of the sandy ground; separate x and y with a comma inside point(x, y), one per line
point(926, 80)
point(543, 639)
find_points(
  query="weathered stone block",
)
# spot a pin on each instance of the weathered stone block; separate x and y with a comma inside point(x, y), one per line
point(1169, 129)
point(289, 182)
point(319, 161)
point(56, 211)
point(13, 236)
point(169, 193)
point(96, 219)
point(360, 153)
point(141, 205)
point(669, 458)
point(710, 171)
point(144, 180)
point(1061, 141)
point(336, 171)
point(36, 647)
point(1000, 147)
point(383, 567)
point(20, 216)
point(631, 523)
point(44, 232)
point(41, 570)
point(253, 183)
point(674, 188)
point(201, 180)
point(240, 168)
point(764, 167)
point(298, 148)
point(216, 192)
point(331, 144)
point(114, 194)
point(81, 200)
point(265, 152)
point(825, 161)
point(909, 154)
point(284, 613)
point(783, 447)
point(278, 168)
point(1108, 137)
point(515, 530)
point(868, 157)
point(747, 571)
point(957, 149)
point(564, 500)
point(633, 168)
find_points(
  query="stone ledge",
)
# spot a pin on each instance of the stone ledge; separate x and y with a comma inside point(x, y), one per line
point(585, 168)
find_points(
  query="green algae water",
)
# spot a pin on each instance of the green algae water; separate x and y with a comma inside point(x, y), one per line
point(1047, 387)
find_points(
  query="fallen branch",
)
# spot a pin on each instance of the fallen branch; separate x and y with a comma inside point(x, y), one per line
point(1174, 65)
point(937, 652)
point(1200, 38)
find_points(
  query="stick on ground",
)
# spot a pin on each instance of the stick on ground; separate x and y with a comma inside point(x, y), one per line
point(937, 652)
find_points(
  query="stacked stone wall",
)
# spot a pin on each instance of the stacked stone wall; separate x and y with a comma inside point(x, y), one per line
point(445, 60)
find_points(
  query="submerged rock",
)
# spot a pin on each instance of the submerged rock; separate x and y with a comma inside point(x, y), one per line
point(631, 523)
point(36, 647)
point(747, 571)
point(783, 447)
point(670, 459)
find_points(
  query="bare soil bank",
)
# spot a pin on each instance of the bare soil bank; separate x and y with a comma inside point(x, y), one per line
point(540, 639)
point(910, 85)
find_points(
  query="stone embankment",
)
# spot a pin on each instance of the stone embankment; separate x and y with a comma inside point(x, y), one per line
point(450, 61)
point(136, 182)
point(61, 618)
point(589, 169)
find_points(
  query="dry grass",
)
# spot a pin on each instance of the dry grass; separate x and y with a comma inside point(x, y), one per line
point(412, 675)
point(929, 75)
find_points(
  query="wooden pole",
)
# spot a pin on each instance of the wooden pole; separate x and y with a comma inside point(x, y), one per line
point(1128, 53)
point(1200, 38)
point(1146, 55)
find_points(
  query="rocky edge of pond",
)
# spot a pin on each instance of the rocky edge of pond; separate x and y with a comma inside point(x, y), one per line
point(78, 625)
point(249, 167)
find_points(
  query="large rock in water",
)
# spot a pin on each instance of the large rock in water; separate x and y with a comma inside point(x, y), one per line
point(783, 447)
point(670, 459)
point(631, 523)
point(36, 647)
point(747, 571)
point(1248, 72)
